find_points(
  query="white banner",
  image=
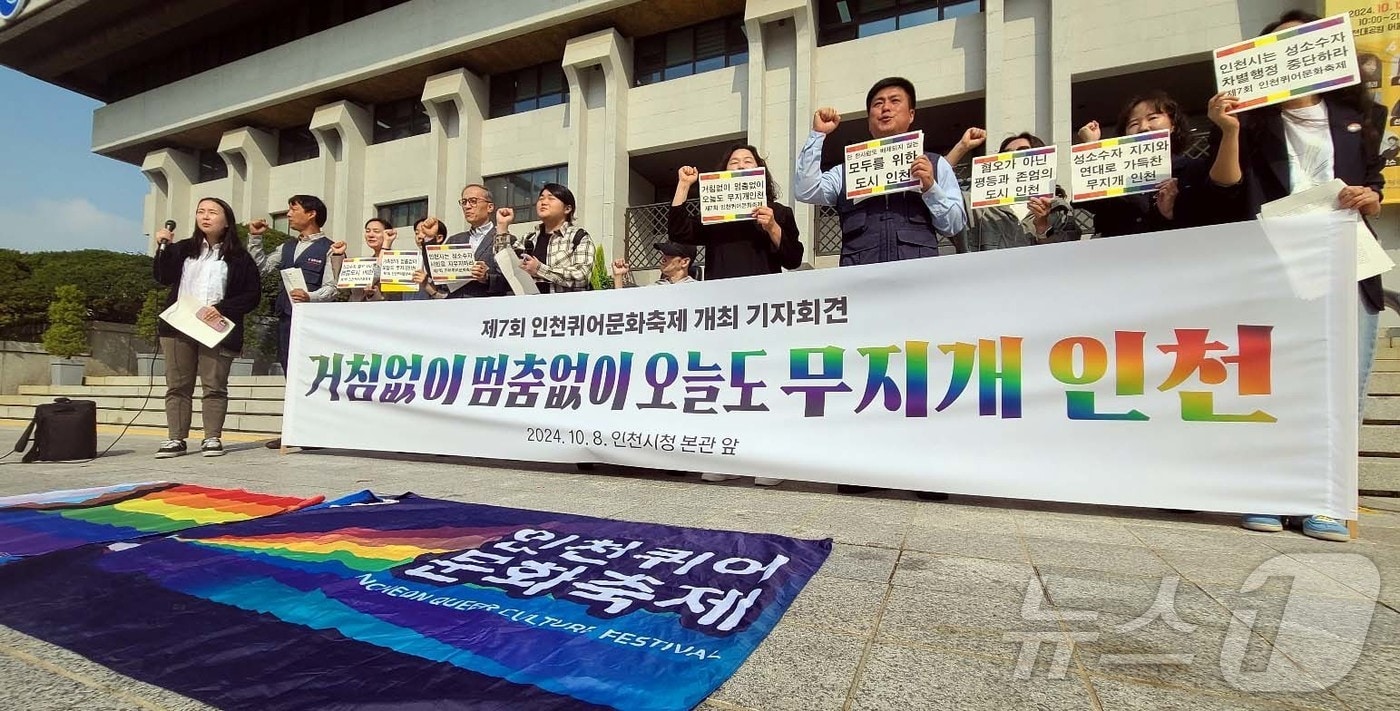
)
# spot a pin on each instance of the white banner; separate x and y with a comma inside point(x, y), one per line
point(1206, 369)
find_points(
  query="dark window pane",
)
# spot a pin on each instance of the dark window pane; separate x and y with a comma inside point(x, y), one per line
point(211, 167)
point(710, 40)
point(680, 48)
point(876, 27)
point(920, 17)
point(296, 144)
point(959, 9)
point(528, 89)
point(404, 214)
point(527, 83)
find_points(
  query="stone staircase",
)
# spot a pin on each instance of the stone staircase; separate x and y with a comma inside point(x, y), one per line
point(255, 407)
point(255, 402)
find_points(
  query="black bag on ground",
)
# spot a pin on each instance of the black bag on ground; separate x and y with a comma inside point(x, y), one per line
point(63, 430)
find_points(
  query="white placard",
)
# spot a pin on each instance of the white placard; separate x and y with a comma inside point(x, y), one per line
point(732, 195)
point(450, 262)
point(1120, 166)
point(357, 273)
point(1014, 176)
point(1307, 59)
point(293, 279)
point(193, 320)
point(1217, 393)
point(396, 268)
point(882, 165)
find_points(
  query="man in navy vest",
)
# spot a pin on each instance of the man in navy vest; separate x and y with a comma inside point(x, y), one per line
point(883, 228)
point(310, 252)
point(891, 227)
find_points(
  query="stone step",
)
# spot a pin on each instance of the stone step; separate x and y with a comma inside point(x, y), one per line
point(88, 392)
point(1386, 366)
point(1382, 410)
point(243, 380)
point(1385, 351)
point(157, 400)
point(261, 424)
point(1380, 440)
point(1384, 383)
point(1380, 475)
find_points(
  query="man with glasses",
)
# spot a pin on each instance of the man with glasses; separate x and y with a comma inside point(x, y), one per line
point(478, 207)
point(676, 259)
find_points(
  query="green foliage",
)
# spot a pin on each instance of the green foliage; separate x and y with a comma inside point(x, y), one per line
point(117, 284)
point(66, 335)
point(602, 275)
point(260, 327)
point(149, 318)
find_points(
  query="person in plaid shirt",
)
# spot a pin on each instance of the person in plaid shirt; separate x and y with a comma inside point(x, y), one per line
point(559, 255)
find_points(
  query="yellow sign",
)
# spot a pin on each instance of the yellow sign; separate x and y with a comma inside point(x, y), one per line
point(1376, 24)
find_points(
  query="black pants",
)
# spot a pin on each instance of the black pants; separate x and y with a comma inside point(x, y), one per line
point(284, 339)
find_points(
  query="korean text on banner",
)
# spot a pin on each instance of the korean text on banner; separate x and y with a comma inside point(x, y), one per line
point(1120, 166)
point(396, 268)
point(1013, 177)
point(357, 273)
point(883, 165)
point(1376, 26)
point(1307, 59)
point(732, 195)
point(451, 262)
point(802, 376)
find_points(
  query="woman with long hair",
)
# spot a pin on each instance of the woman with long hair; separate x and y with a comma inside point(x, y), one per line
point(1300, 144)
point(212, 271)
point(767, 245)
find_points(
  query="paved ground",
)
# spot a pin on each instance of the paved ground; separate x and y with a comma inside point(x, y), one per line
point(922, 605)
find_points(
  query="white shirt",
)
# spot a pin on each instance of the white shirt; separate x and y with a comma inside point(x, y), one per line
point(1308, 135)
point(203, 278)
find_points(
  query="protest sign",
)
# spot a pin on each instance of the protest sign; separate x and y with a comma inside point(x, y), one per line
point(1120, 166)
point(732, 195)
point(882, 165)
point(1012, 177)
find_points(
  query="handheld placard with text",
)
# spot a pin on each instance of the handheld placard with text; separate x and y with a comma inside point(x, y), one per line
point(1299, 61)
point(451, 262)
point(1120, 166)
point(357, 273)
point(732, 195)
point(1012, 177)
point(396, 268)
point(882, 165)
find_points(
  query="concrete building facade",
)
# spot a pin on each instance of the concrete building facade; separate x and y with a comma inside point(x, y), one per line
point(392, 106)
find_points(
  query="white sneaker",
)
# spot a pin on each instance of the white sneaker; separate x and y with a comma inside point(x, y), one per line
point(212, 447)
point(766, 481)
point(718, 477)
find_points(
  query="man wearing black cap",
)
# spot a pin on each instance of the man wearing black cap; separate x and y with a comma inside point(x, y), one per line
point(676, 259)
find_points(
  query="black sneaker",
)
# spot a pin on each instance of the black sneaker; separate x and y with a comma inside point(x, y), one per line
point(212, 447)
point(170, 448)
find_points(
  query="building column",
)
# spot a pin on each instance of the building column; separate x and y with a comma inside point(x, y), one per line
point(994, 99)
point(249, 153)
point(342, 131)
point(598, 68)
point(171, 173)
point(456, 106)
point(1061, 85)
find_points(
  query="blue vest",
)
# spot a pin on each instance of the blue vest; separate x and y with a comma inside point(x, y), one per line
point(312, 262)
point(887, 228)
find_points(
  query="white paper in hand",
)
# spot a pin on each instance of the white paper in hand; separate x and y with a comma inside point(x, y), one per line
point(292, 280)
point(189, 318)
point(1371, 260)
point(521, 283)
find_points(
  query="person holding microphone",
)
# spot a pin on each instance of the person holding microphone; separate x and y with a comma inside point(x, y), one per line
point(214, 270)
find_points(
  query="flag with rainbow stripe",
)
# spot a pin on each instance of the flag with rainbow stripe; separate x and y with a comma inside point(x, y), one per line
point(410, 602)
point(36, 524)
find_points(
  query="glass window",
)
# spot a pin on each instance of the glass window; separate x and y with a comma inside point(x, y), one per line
point(400, 119)
point(211, 166)
point(296, 144)
point(518, 191)
point(845, 20)
point(690, 50)
point(404, 214)
point(528, 89)
point(279, 223)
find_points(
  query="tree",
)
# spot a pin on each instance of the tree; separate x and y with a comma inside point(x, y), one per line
point(601, 276)
point(66, 335)
point(260, 328)
point(148, 321)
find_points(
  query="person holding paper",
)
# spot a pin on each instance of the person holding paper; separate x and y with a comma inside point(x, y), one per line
point(766, 245)
point(890, 227)
point(1040, 220)
point(214, 271)
point(559, 255)
point(426, 231)
point(379, 236)
point(1180, 201)
point(309, 253)
point(478, 207)
point(1303, 143)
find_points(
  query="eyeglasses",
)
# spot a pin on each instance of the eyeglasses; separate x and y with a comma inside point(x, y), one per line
point(472, 202)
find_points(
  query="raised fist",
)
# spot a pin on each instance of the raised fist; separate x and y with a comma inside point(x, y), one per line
point(825, 120)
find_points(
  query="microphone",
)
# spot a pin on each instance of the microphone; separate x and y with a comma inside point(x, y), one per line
point(169, 225)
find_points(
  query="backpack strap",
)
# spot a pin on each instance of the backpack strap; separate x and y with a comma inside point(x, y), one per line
point(23, 442)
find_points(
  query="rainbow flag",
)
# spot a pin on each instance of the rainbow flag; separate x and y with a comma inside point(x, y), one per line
point(36, 524)
point(409, 602)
